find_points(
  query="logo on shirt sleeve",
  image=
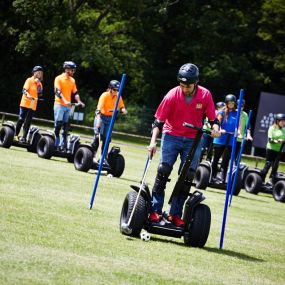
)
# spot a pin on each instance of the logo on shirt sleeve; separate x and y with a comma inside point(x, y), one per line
point(199, 106)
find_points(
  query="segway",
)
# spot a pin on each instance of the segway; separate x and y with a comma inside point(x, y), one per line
point(7, 137)
point(203, 177)
point(254, 181)
point(84, 160)
point(197, 216)
point(46, 145)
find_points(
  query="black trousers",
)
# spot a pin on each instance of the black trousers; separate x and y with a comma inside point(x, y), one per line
point(219, 151)
point(271, 161)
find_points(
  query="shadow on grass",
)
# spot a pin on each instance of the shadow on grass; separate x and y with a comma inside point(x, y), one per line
point(222, 192)
point(213, 250)
point(234, 254)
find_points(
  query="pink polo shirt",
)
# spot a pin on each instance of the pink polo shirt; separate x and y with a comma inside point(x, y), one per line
point(174, 111)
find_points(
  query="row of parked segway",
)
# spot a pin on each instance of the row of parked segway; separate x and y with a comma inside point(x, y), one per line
point(80, 153)
point(251, 179)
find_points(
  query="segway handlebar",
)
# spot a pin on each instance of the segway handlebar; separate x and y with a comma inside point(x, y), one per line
point(196, 128)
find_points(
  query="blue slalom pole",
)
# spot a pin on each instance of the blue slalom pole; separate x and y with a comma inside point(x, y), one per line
point(240, 155)
point(107, 140)
point(231, 170)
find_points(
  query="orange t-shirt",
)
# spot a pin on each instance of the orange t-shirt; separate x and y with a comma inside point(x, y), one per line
point(31, 85)
point(107, 103)
point(66, 85)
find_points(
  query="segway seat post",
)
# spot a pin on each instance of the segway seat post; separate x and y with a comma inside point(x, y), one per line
point(185, 168)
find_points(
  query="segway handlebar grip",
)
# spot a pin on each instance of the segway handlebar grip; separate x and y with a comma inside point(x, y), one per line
point(196, 128)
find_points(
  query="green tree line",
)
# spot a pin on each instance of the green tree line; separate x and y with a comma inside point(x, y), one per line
point(236, 44)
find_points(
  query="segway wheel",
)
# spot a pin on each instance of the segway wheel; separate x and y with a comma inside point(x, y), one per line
point(6, 136)
point(239, 183)
point(198, 231)
point(117, 164)
point(202, 177)
point(139, 217)
point(83, 159)
point(279, 191)
point(33, 146)
point(252, 183)
point(45, 147)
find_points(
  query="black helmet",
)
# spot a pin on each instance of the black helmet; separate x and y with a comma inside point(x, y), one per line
point(37, 68)
point(188, 74)
point(242, 103)
point(280, 117)
point(69, 65)
point(230, 98)
point(114, 84)
point(220, 105)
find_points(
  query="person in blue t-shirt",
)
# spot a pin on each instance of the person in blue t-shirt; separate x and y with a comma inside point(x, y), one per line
point(223, 144)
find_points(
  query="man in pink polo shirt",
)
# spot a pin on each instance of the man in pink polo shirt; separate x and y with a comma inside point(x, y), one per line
point(191, 103)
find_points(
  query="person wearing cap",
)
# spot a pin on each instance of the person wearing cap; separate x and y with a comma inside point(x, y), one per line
point(223, 145)
point(104, 112)
point(65, 90)
point(241, 129)
point(276, 139)
point(32, 90)
point(187, 102)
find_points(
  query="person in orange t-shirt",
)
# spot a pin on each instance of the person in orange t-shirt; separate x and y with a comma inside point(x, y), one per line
point(104, 112)
point(65, 89)
point(32, 90)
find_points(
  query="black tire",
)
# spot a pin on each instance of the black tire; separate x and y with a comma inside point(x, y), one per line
point(252, 183)
point(239, 183)
point(6, 136)
point(83, 159)
point(33, 147)
point(45, 147)
point(139, 217)
point(199, 228)
point(70, 159)
point(117, 164)
point(202, 177)
point(279, 191)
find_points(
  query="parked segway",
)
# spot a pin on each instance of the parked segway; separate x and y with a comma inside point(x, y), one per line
point(84, 160)
point(7, 137)
point(197, 216)
point(254, 181)
point(203, 177)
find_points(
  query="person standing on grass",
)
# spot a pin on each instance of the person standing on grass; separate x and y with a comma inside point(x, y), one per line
point(276, 139)
point(241, 129)
point(104, 112)
point(32, 90)
point(188, 102)
point(65, 90)
point(223, 145)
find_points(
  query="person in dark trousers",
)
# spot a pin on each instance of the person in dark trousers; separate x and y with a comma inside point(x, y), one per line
point(104, 112)
point(32, 91)
point(187, 102)
point(276, 138)
point(223, 145)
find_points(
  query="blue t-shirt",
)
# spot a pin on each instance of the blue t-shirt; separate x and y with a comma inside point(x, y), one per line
point(228, 125)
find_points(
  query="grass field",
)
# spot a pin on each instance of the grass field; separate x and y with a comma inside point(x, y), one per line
point(48, 235)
